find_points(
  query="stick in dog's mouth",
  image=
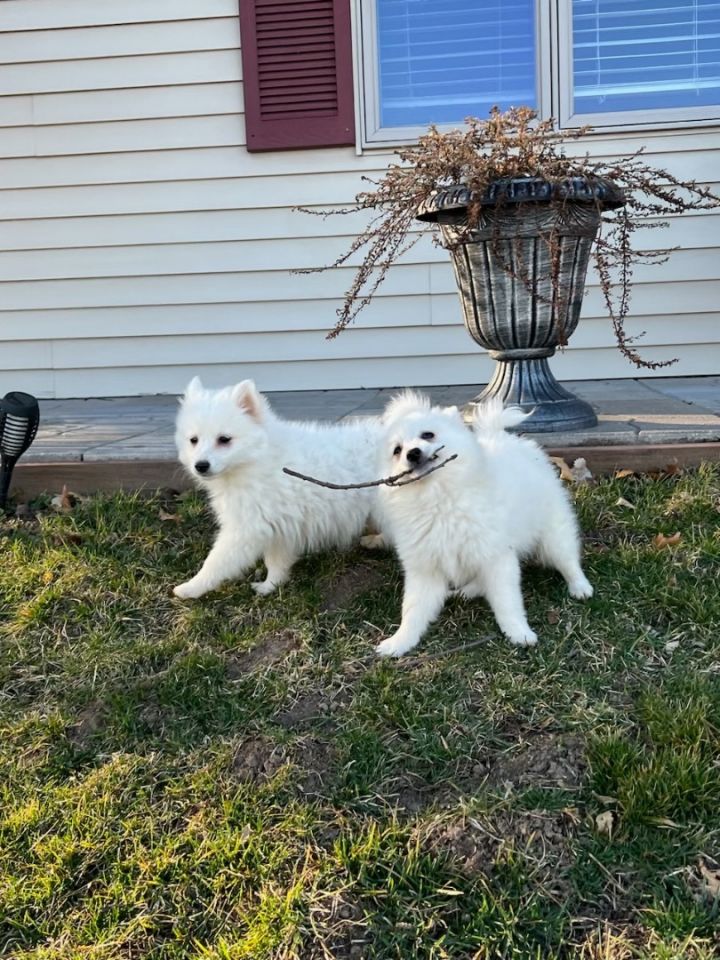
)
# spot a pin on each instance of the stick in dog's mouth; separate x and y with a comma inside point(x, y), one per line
point(398, 480)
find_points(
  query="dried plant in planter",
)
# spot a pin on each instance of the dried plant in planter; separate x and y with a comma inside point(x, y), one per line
point(486, 158)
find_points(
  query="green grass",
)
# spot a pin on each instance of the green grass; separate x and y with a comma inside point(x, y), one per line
point(241, 778)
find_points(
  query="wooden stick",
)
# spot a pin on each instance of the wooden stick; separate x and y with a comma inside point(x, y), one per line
point(386, 481)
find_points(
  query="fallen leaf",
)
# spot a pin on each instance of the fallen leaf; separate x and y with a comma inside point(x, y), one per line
point(246, 833)
point(48, 576)
point(164, 515)
point(710, 875)
point(661, 541)
point(580, 472)
point(604, 823)
point(673, 469)
point(671, 645)
point(603, 798)
point(619, 474)
point(678, 502)
point(564, 468)
point(63, 502)
point(622, 502)
point(553, 616)
point(66, 500)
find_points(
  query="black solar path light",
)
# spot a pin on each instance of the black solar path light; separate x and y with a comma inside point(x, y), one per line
point(19, 419)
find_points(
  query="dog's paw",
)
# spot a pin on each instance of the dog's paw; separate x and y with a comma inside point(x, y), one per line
point(264, 588)
point(580, 589)
point(523, 637)
point(373, 541)
point(469, 592)
point(394, 646)
point(187, 591)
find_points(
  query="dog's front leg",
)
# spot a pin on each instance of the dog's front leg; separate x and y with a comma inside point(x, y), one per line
point(279, 560)
point(422, 601)
point(227, 559)
point(501, 586)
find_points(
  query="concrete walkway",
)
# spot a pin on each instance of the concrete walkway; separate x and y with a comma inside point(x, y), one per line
point(120, 435)
point(677, 410)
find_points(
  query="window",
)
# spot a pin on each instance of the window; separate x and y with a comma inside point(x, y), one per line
point(438, 62)
point(631, 60)
point(612, 63)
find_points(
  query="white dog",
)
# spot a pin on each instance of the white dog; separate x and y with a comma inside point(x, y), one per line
point(236, 447)
point(469, 524)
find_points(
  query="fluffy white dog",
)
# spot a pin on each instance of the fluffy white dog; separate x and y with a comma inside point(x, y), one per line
point(469, 524)
point(235, 447)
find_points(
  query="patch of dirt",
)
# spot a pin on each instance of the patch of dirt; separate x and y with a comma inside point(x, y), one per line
point(257, 759)
point(337, 593)
point(478, 845)
point(312, 706)
point(339, 927)
point(414, 795)
point(316, 762)
point(327, 833)
point(703, 879)
point(269, 651)
point(548, 760)
point(89, 722)
point(153, 716)
point(413, 798)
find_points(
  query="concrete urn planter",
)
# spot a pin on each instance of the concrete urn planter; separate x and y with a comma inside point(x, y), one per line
point(526, 229)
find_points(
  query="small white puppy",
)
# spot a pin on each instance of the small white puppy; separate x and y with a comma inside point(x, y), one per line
point(235, 447)
point(469, 524)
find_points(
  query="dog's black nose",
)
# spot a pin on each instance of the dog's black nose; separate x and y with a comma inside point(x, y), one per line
point(202, 466)
point(414, 455)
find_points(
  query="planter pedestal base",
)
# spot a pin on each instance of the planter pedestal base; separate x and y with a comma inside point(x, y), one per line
point(529, 383)
point(520, 267)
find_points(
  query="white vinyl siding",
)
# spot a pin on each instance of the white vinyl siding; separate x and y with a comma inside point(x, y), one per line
point(141, 244)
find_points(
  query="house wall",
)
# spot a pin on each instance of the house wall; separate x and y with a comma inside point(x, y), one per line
point(141, 244)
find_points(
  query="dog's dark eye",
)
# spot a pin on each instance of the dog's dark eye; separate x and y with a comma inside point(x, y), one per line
point(193, 440)
point(397, 451)
point(428, 435)
point(224, 441)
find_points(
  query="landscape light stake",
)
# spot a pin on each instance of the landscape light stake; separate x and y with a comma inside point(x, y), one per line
point(19, 419)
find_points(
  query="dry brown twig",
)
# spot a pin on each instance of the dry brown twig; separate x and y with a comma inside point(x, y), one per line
point(506, 146)
point(385, 481)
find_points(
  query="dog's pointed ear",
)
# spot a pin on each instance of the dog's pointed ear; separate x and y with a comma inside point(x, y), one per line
point(246, 395)
point(404, 403)
point(193, 389)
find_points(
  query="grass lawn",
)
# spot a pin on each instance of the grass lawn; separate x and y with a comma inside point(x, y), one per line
point(241, 778)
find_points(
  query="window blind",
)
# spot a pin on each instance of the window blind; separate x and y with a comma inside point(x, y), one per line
point(645, 54)
point(443, 60)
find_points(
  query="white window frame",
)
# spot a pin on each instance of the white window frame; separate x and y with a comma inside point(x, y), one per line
point(617, 119)
point(371, 133)
point(554, 85)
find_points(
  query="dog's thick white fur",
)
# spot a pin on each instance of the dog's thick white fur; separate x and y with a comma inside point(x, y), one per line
point(469, 524)
point(235, 447)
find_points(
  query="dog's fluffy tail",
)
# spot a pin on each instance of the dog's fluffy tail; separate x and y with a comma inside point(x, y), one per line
point(492, 417)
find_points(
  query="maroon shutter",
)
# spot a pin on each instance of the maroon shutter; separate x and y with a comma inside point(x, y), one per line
point(297, 73)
